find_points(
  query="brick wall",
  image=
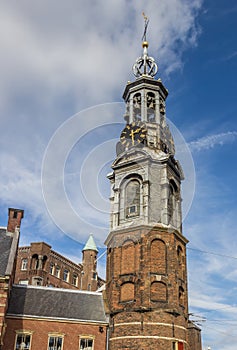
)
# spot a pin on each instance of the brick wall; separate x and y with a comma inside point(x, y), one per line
point(43, 251)
point(4, 293)
point(194, 337)
point(40, 330)
point(147, 289)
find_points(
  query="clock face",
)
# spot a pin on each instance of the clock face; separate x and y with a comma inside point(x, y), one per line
point(133, 134)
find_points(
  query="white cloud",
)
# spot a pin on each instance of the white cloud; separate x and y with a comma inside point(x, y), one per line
point(78, 46)
point(211, 141)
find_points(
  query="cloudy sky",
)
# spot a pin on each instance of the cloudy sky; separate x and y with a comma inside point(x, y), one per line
point(63, 68)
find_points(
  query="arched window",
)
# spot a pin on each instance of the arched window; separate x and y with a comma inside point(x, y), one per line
point(162, 106)
point(128, 257)
point(180, 259)
point(24, 264)
point(44, 259)
point(37, 281)
point(151, 104)
point(173, 195)
point(158, 291)
point(137, 107)
point(132, 199)
point(158, 256)
point(127, 292)
point(35, 262)
point(179, 255)
point(181, 296)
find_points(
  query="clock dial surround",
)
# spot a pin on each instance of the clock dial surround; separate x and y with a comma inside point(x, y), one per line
point(133, 134)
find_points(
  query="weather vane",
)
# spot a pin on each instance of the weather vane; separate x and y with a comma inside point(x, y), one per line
point(146, 21)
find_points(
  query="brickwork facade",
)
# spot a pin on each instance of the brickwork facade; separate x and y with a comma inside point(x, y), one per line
point(147, 289)
point(38, 264)
point(4, 297)
point(40, 331)
point(8, 262)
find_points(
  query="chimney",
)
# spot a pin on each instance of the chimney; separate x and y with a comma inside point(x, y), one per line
point(14, 219)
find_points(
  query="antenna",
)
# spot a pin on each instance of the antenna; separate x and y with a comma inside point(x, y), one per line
point(146, 21)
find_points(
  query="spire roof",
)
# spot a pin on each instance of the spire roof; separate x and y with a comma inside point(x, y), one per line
point(90, 244)
point(145, 65)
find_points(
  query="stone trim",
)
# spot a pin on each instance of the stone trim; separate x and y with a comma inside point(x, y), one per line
point(147, 337)
point(150, 323)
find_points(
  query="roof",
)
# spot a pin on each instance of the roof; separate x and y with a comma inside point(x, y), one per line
point(90, 244)
point(56, 303)
point(5, 249)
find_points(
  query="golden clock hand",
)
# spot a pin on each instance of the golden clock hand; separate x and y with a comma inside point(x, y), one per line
point(137, 130)
point(132, 136)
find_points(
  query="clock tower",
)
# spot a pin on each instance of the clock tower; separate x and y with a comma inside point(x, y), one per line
point(146, 249)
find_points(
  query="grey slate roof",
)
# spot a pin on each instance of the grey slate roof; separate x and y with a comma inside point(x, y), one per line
point(56, 303)
point(5, 249)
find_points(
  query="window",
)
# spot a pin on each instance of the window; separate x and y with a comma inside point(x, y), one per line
point(158, 291)
point(128, 257)
point(24, 263)
point(37, 281)
point(25, 282)
point(55, 343)
point(75, 279)
point(86, 344)
point(65, 275)
point(158, 257)
point(151, 107)
point(127, 292)
point(137, 107)
point(172, 200)
point(23, 341)
point(57, 271)
point(180, 265)
point(51, 268)
point(181, 296)
point(35, 262)
point(132, 198)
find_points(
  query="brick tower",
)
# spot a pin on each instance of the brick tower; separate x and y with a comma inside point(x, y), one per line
point(89, 274)
point(146, 250)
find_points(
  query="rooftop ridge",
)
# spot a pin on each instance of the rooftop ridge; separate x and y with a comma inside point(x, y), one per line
point(75, 291)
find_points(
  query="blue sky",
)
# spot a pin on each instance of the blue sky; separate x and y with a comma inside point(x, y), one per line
point(63, 70)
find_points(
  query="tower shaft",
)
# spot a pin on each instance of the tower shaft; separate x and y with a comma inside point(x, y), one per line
point(146, 251)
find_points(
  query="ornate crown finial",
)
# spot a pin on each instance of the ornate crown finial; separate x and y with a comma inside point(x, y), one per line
point(145, 65)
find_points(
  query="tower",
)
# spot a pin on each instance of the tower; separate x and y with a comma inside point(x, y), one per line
point(14, 219)
point(89, 273)
point(146, 249)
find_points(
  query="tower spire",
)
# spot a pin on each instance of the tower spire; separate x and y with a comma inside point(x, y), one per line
point(146, 22)
point(145, 65)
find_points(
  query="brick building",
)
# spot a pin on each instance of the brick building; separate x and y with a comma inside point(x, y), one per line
point(36, 317)
point(53, 318)
point(9, 238)
point(39, 265)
